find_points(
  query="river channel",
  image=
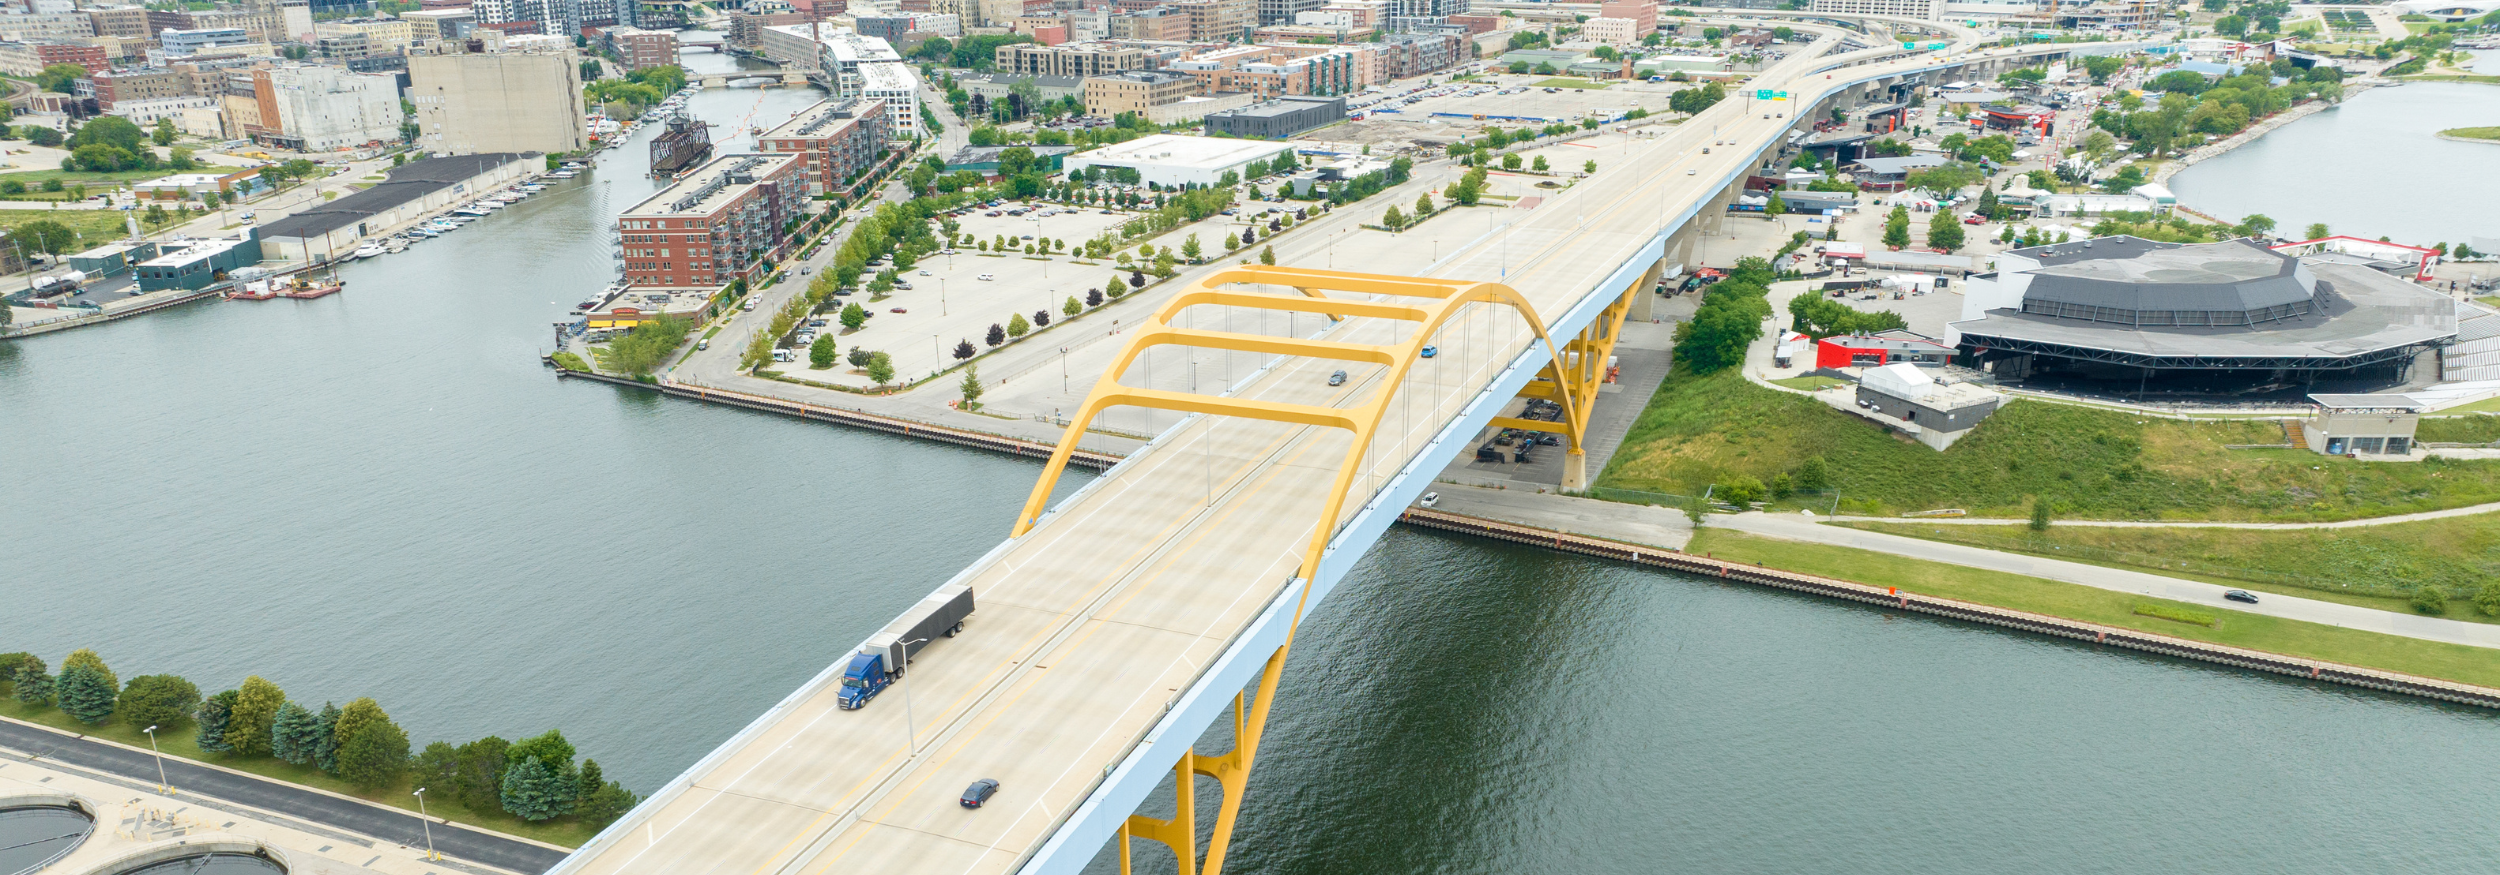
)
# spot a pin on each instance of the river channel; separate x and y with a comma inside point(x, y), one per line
point(382, 493)
point(2372, 167)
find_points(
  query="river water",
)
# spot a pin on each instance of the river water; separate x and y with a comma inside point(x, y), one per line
point(382, 493)
point(2369, 168)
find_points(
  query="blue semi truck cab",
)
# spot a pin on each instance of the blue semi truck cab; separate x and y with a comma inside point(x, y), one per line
point(881, 661)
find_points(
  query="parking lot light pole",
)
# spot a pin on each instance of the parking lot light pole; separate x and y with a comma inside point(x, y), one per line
point(162, 785)
point(428, 822)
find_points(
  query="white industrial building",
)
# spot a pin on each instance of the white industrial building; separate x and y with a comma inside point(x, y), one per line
point(1172, 160)
point(326, 108)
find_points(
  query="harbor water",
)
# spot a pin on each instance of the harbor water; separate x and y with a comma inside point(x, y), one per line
point(382, 493)
point(2371, 167)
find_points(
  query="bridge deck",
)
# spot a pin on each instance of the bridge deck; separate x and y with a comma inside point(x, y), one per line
point(1092, 624)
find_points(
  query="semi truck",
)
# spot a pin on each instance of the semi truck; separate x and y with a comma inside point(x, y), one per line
point(881, 661)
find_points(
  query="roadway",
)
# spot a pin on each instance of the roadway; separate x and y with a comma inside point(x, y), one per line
point(1091, 624)
point(292, 800)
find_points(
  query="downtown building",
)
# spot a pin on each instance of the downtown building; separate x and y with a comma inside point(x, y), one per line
point(835, 140)
point(473, 102)
point(720, 223)
point(318, 109)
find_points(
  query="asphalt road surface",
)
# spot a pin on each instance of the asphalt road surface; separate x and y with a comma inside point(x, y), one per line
point(351, 816)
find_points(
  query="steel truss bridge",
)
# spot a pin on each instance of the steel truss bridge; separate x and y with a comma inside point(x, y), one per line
point(1117, 626)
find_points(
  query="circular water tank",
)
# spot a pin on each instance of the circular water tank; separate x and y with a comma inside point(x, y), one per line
point(215, 863)
point(33, 836)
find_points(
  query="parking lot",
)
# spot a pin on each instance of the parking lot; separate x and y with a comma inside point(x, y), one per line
point(1449, 111)
point(957, 297)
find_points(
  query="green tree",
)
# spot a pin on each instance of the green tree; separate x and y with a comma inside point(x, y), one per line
point(110, 130)
point(1814, 475)
point(2487, 599)
point(1539, 165)
point(821, 354)
point(1588, 166)
point(255, 709)
point(1897, 228)
point(1017, 326)
point(2039, 513)
point(360, 715)
point(2257, 224)
point(1072, 307)
point(2428, 599)
point(972, 388)
point(160, 700)
point(1267, 255)
point(1393, 219)
point(479, 786)
point(375, 757)
point(83, 657)
point(854, 316)
point(85, 693)
point(165, 133)
point(295, 734)
point(437, 768)
point(881, 368)
point(60, 78)
point(1191, 250)
point(603, 806)
point(1944, 232)
point(215, 717)
point(531, 792)
point(1775, 207)
point(326, 738)
point(2316, 231)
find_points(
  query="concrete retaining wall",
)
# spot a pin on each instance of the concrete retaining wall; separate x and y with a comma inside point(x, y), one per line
point(2445, 691)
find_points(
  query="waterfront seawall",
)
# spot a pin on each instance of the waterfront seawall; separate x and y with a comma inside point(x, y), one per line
point(1658, 557)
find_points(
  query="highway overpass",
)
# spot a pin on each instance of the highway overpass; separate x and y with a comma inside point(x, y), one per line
point(1116, 626)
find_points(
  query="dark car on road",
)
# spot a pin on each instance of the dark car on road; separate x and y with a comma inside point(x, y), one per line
point(1336, 379)
point(2240, 595)
point(979, 792)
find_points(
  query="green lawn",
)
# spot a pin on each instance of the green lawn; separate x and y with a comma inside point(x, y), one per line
point(1810, 384)
point(2376, 567)
point(2453, 662)
point(2462, 429)
point(2490, 133)
point(1582, 84)
point(2092, 463)
point(179, 742)
point(95, 181)
point(94, 227)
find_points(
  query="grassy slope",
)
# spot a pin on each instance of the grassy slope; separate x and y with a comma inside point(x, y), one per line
point(566, 831)
point(95, 227)
point(2372, 567)
point(2256, 632)
point(2095, 464)
point(2492, 133)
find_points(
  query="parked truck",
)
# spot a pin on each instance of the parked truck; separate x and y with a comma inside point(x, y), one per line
point(881, 661)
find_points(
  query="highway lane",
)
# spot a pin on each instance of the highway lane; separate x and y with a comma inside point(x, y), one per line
point(1095, 620)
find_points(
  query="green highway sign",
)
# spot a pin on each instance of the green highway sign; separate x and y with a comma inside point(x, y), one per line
point(1762, 94)
point(1937, 47)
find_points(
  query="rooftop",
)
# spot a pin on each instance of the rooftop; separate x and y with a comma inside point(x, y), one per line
point(711, 186)
point(406, 182)
point(1281, 106)
point(887, 77)
point(823, 118)
point(1177, 149)
point(2357, 313)
point(2131, 273)
point(2375, 401)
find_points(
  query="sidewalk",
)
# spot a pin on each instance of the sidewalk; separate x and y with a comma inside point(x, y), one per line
point(354, 816)
point(1800, 528)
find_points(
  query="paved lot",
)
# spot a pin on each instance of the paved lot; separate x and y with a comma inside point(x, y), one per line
point(353, 816)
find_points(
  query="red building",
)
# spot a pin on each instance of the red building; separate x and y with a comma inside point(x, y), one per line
point(90, 57)
point(1867, 351)
point(717, 224)
point(642, 49)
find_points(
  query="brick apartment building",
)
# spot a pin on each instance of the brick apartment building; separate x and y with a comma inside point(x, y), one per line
point(642, 49)
point(90, 57)
point(835, 140)
point(1077, 60)
point(1276, 71)
point(142, 84)
point(714, 225)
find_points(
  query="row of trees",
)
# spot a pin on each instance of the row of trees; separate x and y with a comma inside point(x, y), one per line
point(1730, 317)
point(1819, 317)
point(360, 744)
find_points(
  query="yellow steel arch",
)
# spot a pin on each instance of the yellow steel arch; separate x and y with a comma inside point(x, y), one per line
point(1448, 297)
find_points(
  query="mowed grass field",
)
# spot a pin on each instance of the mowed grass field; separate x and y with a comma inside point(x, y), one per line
point(2090, 463)
point(2455, 662)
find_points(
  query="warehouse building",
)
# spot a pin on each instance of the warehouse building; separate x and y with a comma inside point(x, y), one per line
point(1278, 119)
point(1171, 160)
point(1935, 412)
point(413, 191)
point(198, 264)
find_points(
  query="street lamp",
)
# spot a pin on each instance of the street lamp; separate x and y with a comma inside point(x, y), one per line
point(162, 785)
point(911, 728)
point(428, 823)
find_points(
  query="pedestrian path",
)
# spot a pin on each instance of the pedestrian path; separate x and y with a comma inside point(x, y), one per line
point(2365, 522)
point(1796, 527)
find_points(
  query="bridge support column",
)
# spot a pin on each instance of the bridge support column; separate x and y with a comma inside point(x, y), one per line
point(1231, 772)
point(1574, 377)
